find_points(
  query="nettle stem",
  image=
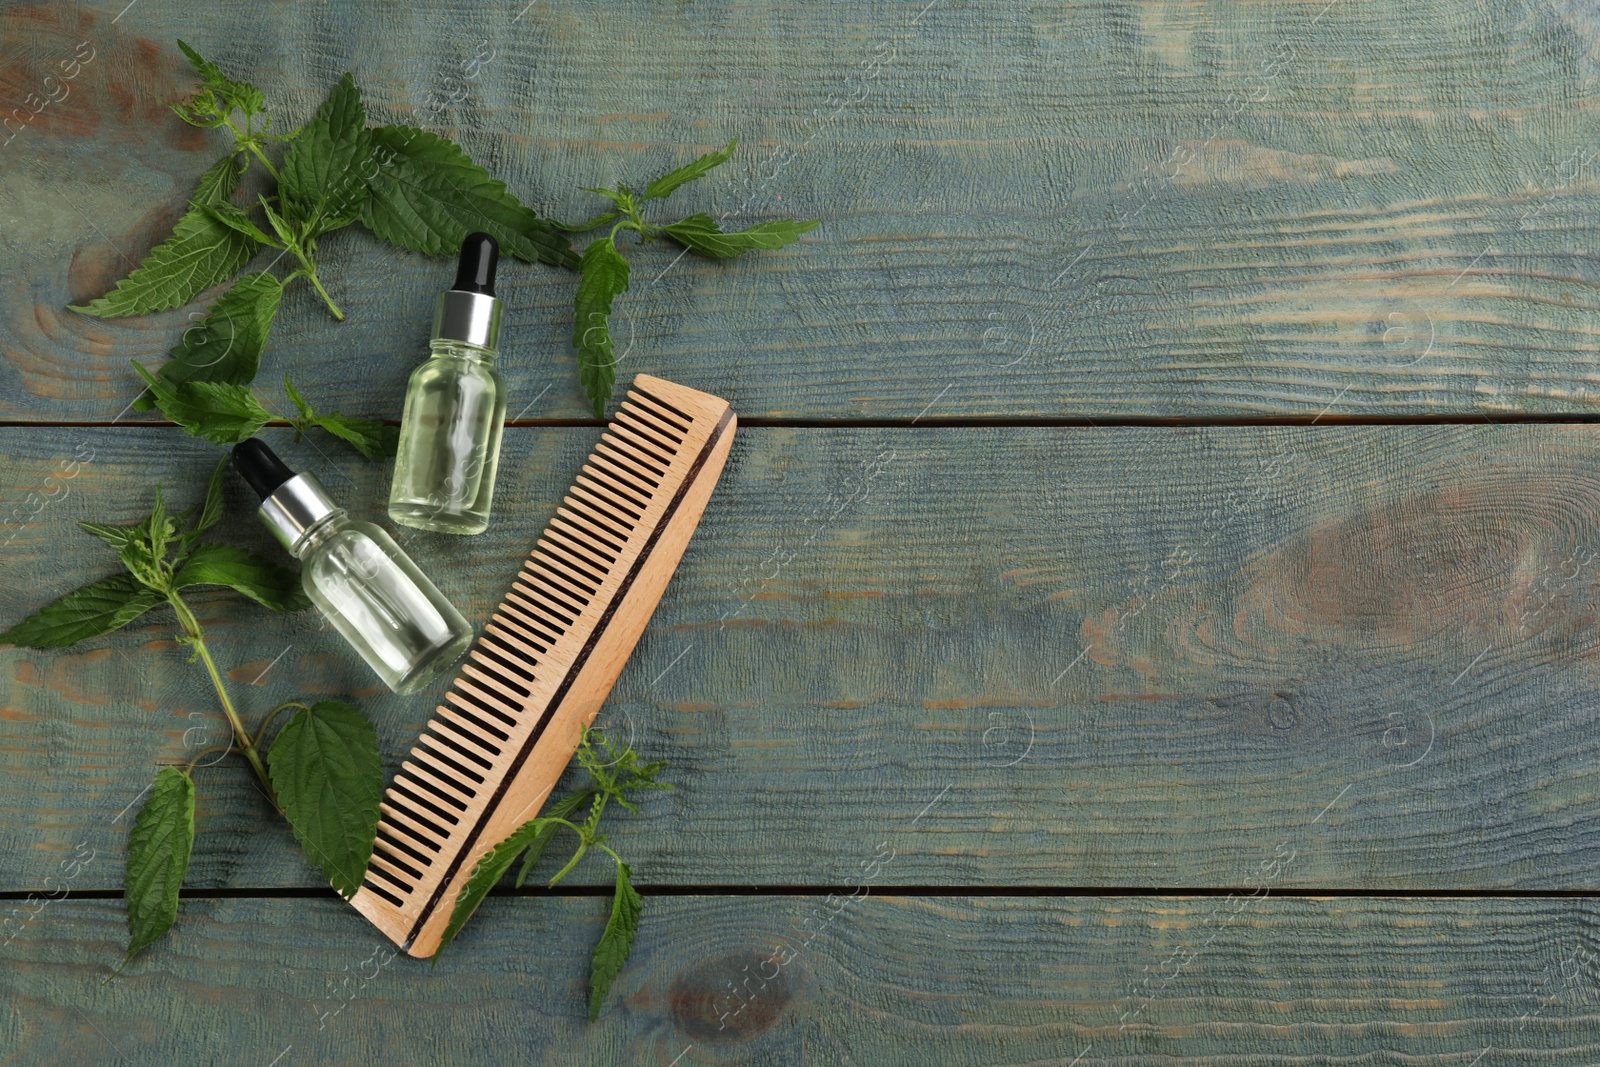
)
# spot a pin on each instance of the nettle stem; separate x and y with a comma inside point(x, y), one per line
point(255, 150)
point(241, 737)
point(308, 270)
point(586, 837)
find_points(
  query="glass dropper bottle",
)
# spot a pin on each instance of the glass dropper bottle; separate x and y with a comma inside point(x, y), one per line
point(372, 592)
point(455, 407)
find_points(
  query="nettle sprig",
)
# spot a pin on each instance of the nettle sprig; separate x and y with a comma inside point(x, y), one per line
point(613, 774)
point(605, 273)
point(321, 771)
point(407, 186)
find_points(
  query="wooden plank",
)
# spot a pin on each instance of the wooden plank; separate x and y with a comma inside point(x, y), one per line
point(1051, 656)
point(1100, 210)
point(887, 981)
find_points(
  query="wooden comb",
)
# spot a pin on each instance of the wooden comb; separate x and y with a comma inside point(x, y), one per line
point(491, 754)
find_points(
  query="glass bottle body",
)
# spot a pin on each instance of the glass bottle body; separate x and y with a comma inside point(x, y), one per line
point(380, 602)
point(450, 430)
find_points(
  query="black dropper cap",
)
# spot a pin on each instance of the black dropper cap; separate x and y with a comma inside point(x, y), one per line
point(260, 466)
point(480, 254)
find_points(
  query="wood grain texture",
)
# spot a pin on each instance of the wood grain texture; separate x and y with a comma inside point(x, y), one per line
point(889, 981)
point(1141, 657)
point(1141, 208)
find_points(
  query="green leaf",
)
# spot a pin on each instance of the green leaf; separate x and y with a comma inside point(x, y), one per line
point(118, 537)
point(204, 110)
point(617, 773)
point(599, 220)
point(699, 233)
point(211, 510)
point(232, 94)
point(325, 770)
point(158, 857)
point(370, 437)
point(605, 275)
point(324, 170)
point(664, 185)
point(245, 572)
point(427, 195)
point(220, 412)
point(145, 552)
point(95, 609)
point(219, 181)
point(562, 809)
point(201, 252)
point(622, 196)
point(299, 401)
point(141, 545)
point(235, 219)
point(617, 941)
point(209, 72)
point(489, 870)
point(280, 225)
point(226, 345)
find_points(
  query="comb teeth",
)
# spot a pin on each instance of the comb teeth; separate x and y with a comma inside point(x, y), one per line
point(546, 658)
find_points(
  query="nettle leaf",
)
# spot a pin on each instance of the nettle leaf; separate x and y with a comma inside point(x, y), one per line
point(221, 412)
point(158, 857)
point(488, 871)
point(325, 770)
point(370, 437)
point(159, 528)
point(562, 809)
point(602, 219)
point(95, 609)
point(604, 276)
point(118, 537)
point(145, 550)
point(299, 401)
point(622, 196)
point(280, 225)
point(232, 94)
point(324, 170)
point(211, 510)
point(245, 572)
point(219, 181)
point(700, 233)
point(141, 545)
point(664, 185)
point(617, 942)
point(235, 218)
point(226, 345)
point(616, 774)
point(427, 195)
point(204, 110)
point(201, 252)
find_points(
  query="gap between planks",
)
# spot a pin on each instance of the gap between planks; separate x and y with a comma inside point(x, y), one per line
point(975, 421)
point(691, 890)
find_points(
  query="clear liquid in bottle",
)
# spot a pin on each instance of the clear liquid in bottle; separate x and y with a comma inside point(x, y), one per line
point(382, 604)
point(455, 407)
point(372, 592)
point(450, 431)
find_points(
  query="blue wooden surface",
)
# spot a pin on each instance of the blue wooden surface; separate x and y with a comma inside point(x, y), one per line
point(1105, 209)
point(1055, 668)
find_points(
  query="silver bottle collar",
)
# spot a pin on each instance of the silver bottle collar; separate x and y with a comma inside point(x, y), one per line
point(470, 317)
point(294, 507)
